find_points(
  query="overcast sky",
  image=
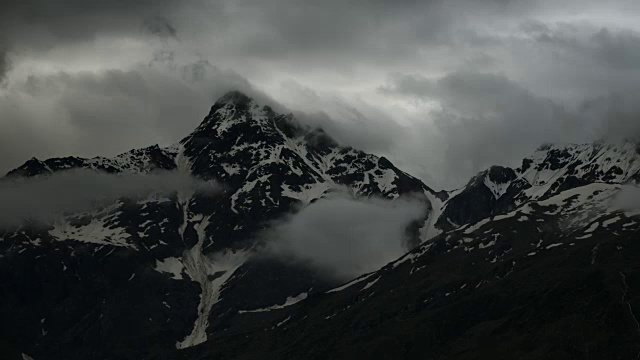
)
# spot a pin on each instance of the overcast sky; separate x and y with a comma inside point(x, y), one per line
point(443, 88)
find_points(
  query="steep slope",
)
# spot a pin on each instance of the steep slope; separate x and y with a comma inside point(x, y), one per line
point(556, 277)
point(140, 278)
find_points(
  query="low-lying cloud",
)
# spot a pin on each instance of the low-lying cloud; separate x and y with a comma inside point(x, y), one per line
point(344, 237)
point(45, 198)
point(628, 198)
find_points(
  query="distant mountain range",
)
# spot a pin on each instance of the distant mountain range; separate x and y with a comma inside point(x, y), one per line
point(538, 262)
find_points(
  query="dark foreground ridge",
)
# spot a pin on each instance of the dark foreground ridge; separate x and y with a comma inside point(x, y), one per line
point(538, 262)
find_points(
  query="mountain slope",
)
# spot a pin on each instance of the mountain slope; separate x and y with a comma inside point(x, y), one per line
point(537, 262)
point(556, 277)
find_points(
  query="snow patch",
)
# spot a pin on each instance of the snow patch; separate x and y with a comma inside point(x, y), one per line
point(593, 227)
point(611, 221)
point(350, 283)
point(308, 192)
point(371, 283)
point(96, 232)
point(199, 266)
point(170, 265)
point(496, 189)
point(290, 301)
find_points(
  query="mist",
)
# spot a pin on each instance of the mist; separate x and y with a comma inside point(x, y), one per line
point(42, 199)
point(628, 198)
point(343, 237)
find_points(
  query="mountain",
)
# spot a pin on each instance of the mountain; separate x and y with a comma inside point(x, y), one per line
point(548, 172)
point(542, 264)
point(534, 262)
point(140, 278)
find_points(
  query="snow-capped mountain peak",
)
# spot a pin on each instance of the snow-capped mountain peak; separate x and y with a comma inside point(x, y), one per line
point(197, 244)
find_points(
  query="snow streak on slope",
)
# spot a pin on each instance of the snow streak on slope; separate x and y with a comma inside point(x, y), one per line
point(429, 229)
point(211, 273)
point(291, 300)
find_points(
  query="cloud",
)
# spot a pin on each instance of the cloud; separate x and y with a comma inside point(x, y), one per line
point(628, 198)
point(553, 72)
point(344, 237)
point(45, 198)
point(4, 65)
point(40, 24)
point(160, 26)
point(612, 49)
point(349, 121)
point(482, 119)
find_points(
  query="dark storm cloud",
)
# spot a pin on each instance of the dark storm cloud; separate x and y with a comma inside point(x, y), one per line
point(160, 26)
point(359, 125)
point(481, 115)
point(461, 80)
point(76, 20)
point(4, 65)
point(578, 61)
point(343, 36)
point(581, 86)
point(615, 115)
point(614, 49)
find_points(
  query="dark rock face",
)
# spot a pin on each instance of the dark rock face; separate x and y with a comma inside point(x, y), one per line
point(491, 192)
point(501, 175)
point(474, 203)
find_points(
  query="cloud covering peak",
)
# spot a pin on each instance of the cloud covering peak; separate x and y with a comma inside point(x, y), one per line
point(442, 88)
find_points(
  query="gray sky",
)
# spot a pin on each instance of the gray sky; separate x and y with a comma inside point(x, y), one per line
point(443, 88)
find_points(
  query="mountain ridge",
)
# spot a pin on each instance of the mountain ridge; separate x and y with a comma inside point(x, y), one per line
point(194, 243)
